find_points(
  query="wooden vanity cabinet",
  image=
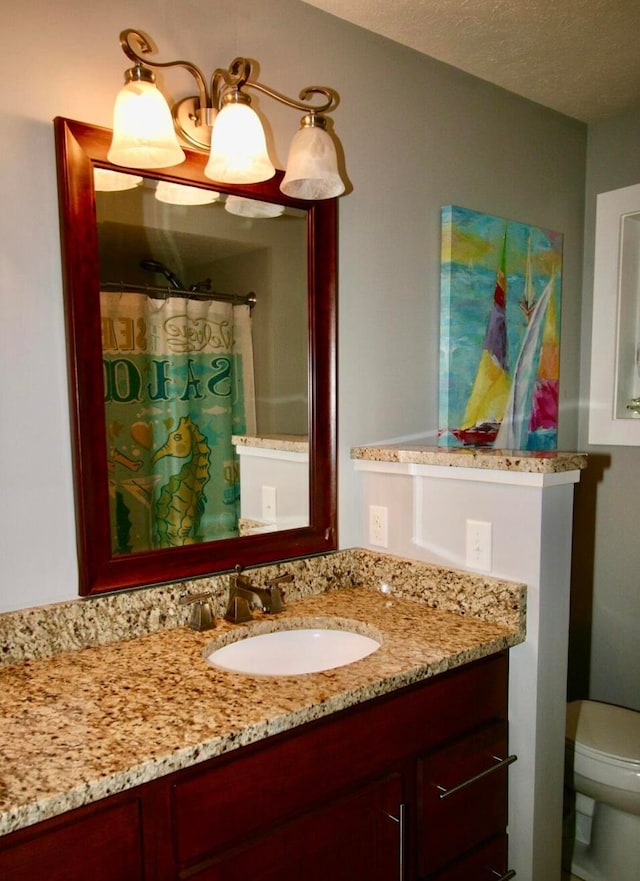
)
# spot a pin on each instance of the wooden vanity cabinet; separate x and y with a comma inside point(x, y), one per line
point(349, 797)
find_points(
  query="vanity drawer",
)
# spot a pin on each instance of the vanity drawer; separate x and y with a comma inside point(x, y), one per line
point(273, 783)
point(462, 795)
point(314, 846)
point(487, 863)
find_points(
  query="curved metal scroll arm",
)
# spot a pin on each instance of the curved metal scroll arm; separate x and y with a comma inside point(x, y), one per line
point(224, 81)
point(146, 47)
point(239, 74)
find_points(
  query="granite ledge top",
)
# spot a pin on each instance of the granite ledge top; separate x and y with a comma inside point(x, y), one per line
point(291, 443)
point(532, 461)
point(130, 712)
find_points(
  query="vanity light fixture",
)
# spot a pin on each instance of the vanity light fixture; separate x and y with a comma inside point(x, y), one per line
point(220, 119)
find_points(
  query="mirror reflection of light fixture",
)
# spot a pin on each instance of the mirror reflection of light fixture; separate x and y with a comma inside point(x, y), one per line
point(252, 207)
point(220, 119)
point(179, 194)
point(107, 181)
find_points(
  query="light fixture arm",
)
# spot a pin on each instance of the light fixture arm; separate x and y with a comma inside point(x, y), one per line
point(145, 47)
point(305, 95)
point(194, 116)
point(229, 80)
point(238, 75)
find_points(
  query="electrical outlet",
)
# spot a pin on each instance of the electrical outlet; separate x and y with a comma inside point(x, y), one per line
point(269, 505)
point(479, 545)
point(378, 526)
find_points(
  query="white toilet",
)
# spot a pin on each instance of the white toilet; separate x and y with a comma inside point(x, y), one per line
point(603, 772)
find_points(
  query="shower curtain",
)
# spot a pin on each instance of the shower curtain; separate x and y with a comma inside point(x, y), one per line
point(178, 383)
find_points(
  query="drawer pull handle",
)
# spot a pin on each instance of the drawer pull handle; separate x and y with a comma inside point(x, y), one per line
point(401, 820)
point(506, 877)
point(443, 792)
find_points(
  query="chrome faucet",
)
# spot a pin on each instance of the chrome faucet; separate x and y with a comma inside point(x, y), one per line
point(245, 596)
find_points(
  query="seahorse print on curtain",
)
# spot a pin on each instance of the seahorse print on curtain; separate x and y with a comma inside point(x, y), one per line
point(181, 502)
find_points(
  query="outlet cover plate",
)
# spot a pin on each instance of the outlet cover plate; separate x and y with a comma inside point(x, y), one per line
point(378, 526)
point(478, 548)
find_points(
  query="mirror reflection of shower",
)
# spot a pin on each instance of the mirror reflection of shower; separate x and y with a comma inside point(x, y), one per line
point(157, 266)
point(249, 261)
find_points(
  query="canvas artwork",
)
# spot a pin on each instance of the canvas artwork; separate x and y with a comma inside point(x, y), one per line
point(499, 332)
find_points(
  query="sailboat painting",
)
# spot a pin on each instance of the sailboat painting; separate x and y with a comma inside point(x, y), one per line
point(500, 291)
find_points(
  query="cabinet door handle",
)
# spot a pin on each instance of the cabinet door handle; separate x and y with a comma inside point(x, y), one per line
point(443, 792)
point(506, 877)
point(401, 820)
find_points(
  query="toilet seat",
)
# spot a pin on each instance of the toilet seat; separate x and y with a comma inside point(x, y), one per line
point(605, 742)
point(604, 731)
point(602, 768)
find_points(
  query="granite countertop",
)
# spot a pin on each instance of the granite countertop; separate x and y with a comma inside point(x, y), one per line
point(534, 461)
point(83, 724)
point(291, 443)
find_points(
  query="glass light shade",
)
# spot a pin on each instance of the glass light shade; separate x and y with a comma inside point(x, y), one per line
point(238, 147)
point(312, 166)
point(179, 194)
point(143, 133)
point(252, 207)
point(107, 181)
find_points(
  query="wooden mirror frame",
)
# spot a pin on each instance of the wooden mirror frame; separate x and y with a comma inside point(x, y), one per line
point(79, 148)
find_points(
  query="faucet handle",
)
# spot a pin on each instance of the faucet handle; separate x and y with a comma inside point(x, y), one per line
point(277, 592)
point(281, 579)
point(237, 579)
point(202, 617)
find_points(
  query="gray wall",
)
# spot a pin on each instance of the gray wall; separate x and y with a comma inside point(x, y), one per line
point(604, 657)
point(432, 135)
point(416, 135)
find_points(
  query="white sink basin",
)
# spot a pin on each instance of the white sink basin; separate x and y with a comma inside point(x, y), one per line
point(292, 652)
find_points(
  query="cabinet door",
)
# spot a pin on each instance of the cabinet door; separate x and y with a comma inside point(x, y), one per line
point(99, 843)
point(356, 837)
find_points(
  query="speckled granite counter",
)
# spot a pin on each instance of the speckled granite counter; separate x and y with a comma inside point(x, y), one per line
point(80, 725)
point(537, 461)
point(291, 443)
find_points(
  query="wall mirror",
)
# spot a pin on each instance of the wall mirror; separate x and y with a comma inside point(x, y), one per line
point(201, 325)
point(614, 397)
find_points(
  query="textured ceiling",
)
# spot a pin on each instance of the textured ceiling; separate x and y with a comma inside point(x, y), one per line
point(580, 57)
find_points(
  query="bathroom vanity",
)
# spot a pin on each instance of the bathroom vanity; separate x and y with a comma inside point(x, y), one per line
point(139, 760)
point(354, 796)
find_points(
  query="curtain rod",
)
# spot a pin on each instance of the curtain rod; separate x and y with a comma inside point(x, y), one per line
point(161, 293)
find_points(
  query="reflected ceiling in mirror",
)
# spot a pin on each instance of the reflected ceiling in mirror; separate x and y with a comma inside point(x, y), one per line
point(201, 352)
